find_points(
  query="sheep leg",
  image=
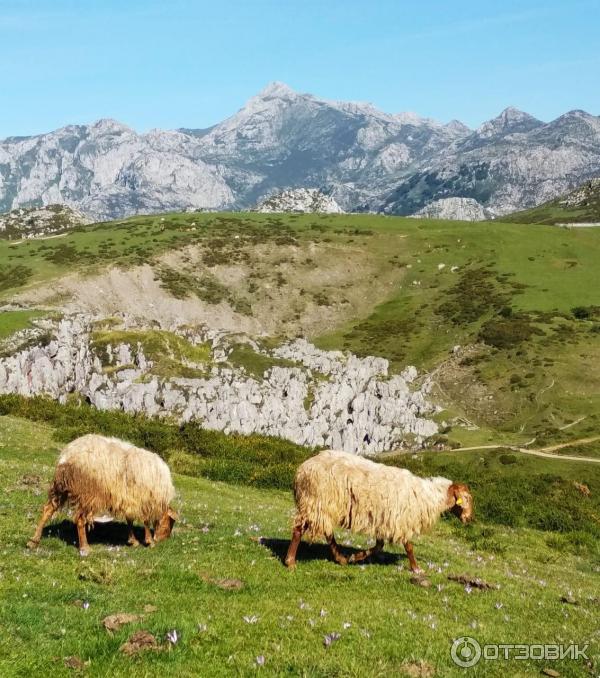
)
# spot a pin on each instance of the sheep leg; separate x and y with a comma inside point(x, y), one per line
point(336, 552)
point(84, 548)
point(411, 558)
point(148, 538)
point(290, 559)
point(48, 511)
point(363, 555)
point(132, 539)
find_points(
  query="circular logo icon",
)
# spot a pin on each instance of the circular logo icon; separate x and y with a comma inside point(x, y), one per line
point(465, 652)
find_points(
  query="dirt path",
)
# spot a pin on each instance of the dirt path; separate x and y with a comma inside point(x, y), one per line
point(546, 452)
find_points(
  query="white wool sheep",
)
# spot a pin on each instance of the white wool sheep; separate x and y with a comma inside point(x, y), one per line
point(338, 489)
point(96, 475)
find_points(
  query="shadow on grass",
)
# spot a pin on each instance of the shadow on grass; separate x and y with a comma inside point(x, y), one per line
point(109, 534)
point(306, 552)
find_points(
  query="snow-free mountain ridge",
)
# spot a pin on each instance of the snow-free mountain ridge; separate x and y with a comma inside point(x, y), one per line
point(366, 160)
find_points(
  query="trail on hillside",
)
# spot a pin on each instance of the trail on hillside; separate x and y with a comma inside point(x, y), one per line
point(546, 452)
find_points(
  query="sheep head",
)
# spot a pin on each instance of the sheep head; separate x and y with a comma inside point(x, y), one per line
point(165, 525)
point(460, 502)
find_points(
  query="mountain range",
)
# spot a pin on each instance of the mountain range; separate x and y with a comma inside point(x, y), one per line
point(366, 160)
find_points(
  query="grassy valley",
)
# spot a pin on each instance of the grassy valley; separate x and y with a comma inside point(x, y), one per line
point(520, 301)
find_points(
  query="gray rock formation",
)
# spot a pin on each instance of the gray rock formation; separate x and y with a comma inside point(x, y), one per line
point(329, 399)
point(460, 209)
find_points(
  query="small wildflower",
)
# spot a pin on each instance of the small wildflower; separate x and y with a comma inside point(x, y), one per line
point(202, 628)
point(468, 588)
point(498, 606)
point(173, 637)
point(331, 638)
point(85, 605)
point(302, 605)
point(347, 625)
point(260, 660)
point(365, 633)
point(251, 619)
point(323, 613)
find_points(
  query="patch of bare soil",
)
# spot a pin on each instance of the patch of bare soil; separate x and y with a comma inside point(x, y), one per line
point(418, 669)
point(286, 290)
point(140, 641)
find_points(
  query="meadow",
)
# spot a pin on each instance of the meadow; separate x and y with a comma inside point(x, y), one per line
point(506, 320)
point(521, 300)
point(219, 583)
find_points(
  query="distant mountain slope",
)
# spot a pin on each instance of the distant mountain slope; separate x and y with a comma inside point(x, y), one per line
point(579, 206)
point(509, 163)
point(280, 139)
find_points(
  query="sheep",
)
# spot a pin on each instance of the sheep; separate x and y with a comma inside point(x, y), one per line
point(96, 475)
point(338, 489)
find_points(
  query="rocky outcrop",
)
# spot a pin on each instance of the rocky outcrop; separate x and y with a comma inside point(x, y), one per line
point(303, 200)
point(584, 196)
point(37, 222)
point(328, 399)
point(460, 209)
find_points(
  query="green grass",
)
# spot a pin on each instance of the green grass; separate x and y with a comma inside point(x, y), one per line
point(171, 354)
point(515, 289)
point(386, 623)
point(14, 321)
point(255, 364)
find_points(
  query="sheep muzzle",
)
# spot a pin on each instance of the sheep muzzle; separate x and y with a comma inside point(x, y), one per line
point(165, 525)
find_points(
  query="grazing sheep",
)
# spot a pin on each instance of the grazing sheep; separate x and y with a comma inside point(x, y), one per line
point(96, 476)
point(337, 489)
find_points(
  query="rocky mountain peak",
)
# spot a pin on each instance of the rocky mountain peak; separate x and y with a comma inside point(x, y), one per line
point(109, 126)
point(276, 89)
point(510, 121)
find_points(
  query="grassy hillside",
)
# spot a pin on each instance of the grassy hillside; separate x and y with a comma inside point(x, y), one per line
point(579, 206)
point(219, 582)
point(521, 301)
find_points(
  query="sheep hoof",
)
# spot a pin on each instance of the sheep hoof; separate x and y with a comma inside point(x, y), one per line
point(291, 565)
point(151, 544)
point(32, 544)
point(133, 542)
point(84, 552)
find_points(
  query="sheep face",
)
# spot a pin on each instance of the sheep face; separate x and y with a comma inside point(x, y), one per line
point(460, 502)
point(165, 525)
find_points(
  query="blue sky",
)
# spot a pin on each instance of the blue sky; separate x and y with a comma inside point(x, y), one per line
point(179, 63)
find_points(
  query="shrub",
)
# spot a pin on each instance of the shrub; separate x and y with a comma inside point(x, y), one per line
point(507, 332)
